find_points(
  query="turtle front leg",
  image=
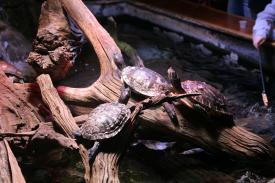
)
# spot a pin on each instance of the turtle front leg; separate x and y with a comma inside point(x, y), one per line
point(92, 151)
point(125, 94)
point(171, 111)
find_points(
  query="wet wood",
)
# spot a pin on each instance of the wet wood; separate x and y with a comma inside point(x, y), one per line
point(54, 47)
point(10, 170)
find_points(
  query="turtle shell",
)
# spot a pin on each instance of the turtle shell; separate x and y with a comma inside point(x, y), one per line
point(145, 81)
point(210, 97)
point(105, 121)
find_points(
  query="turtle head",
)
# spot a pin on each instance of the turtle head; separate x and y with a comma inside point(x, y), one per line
point(124, 95)
point(174, 78)
point(77, 134)
point(118, 60)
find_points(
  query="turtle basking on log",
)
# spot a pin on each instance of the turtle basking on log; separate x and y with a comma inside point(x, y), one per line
point(108, 119)
point(148, 83)
point(211, 101)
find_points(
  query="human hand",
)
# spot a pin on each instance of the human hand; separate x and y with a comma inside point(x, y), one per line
point(258, 41)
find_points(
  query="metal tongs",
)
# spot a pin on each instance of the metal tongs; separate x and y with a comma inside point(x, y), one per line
point(264, 95)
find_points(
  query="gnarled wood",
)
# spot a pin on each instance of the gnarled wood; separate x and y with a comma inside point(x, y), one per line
point(54, 48)
point(107, 52)
point(232, 140)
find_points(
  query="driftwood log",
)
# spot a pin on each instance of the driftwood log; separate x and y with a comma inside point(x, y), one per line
point(233, 140)
point(55, 47)
point(62, 116)
point(22, 113)
point(22, 116)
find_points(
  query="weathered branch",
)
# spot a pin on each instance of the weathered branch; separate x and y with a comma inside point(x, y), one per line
point(60, 111)
point(10, 170)
point(54, 48)
point(104, 46)
point(106, 50)
point(61, 114)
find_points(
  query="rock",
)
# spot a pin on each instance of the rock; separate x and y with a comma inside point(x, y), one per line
point(203, 49)
point(231, 59)
point(250, 177)
point(156, 145)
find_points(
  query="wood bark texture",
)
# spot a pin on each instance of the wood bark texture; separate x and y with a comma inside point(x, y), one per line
point(62, 116)
point(54, 46)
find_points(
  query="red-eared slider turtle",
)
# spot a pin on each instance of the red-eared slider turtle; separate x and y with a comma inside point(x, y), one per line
point(211, 101)
point(148, 83)
point(106, 121)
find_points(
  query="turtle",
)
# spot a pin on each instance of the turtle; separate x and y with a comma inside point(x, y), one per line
point(148, 83)
point(211, 101)
point(105, 121)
